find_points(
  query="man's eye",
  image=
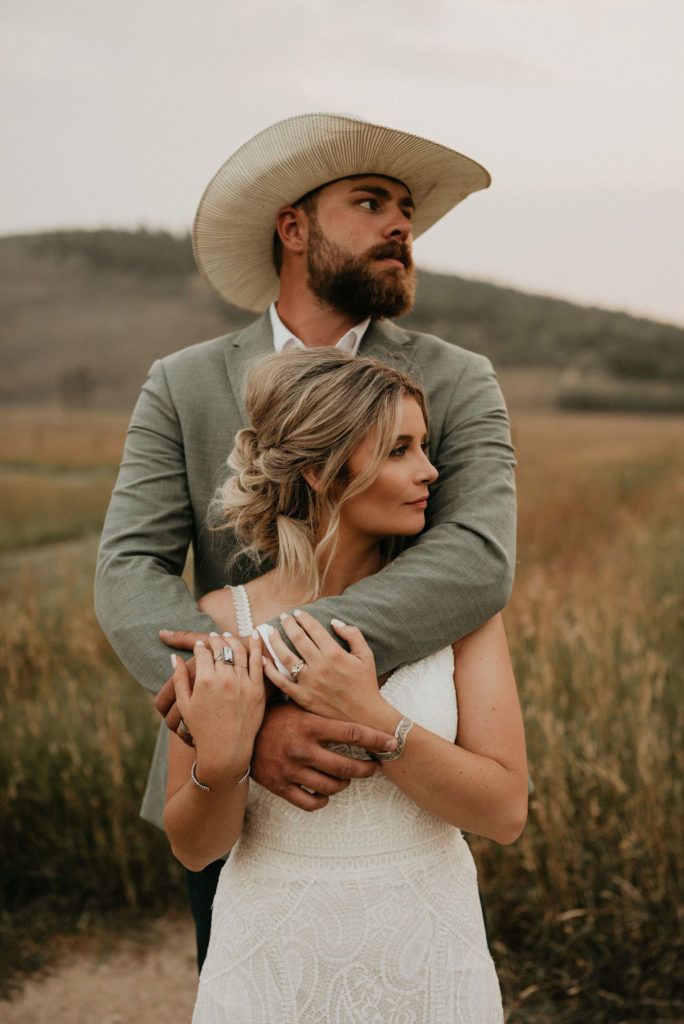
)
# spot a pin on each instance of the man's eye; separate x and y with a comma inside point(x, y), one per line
point(371, 204)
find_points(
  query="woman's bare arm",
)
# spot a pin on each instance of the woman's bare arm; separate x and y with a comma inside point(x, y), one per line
point(223, 713)
point(479, 784)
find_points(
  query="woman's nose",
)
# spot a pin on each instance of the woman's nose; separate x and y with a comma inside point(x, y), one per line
point(429, 473)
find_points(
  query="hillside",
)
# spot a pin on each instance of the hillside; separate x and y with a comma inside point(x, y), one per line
point(84, 313)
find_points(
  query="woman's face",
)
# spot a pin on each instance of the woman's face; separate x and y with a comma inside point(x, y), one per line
point(394, 504)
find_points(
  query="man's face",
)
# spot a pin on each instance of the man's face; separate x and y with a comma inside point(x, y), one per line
point(359, 247)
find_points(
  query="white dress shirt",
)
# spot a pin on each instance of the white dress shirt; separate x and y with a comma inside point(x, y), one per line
point(284, 338)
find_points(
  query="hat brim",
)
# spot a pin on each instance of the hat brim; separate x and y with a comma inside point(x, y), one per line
point(233, 230)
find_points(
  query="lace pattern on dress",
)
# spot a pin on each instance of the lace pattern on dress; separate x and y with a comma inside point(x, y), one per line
point(364, 912)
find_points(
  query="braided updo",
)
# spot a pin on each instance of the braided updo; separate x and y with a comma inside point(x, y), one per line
point(309, 409)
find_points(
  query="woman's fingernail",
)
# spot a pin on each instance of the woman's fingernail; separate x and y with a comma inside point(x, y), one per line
point(297, 611)
point(391, 745)
point(199, 643)
point(174, 660)
point(263, 661)
point(213, 634)
point(283, 615)
point(166, 632)
point(337, 622)
point(227, 634)
point(255, 634)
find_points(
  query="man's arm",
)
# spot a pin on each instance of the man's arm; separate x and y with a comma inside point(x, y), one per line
point(147, 531)
point(460, 571)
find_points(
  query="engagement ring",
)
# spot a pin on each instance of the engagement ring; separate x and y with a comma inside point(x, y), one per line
point(225, 655)
point(296, 669)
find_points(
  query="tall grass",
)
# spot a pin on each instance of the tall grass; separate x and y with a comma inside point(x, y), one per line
point(583, 910)
point(78, 741)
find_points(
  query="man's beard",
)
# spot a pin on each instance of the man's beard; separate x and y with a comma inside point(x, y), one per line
point(348, 284)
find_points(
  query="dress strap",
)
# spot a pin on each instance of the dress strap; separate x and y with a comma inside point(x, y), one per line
point(243, 611)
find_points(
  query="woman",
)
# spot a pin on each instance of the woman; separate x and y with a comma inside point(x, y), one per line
point(367, 910)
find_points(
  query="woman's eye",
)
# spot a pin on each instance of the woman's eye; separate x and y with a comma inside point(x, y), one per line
point(401, 450)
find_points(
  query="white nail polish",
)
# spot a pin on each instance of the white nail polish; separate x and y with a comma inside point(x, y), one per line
point(199, 643)
point(227, 634)
point(213, 634)
point(174, 660)
point(337, 622)
point(255, 634)
point(297, 611)
point(283, 615)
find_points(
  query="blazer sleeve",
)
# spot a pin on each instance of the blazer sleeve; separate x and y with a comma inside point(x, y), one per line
point(459, 573)
point(145, 540)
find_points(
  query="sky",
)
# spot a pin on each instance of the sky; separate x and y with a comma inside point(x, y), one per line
point(118, 114)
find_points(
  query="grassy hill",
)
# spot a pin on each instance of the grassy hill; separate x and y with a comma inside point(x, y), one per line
point(84, 313)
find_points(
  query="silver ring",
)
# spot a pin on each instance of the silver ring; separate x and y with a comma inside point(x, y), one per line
point(296, 669)
point(225, 655)
point(182, 728)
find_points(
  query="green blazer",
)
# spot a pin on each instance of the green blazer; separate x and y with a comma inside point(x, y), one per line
point(456, 575)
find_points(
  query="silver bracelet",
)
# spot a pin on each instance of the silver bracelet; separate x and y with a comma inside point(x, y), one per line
point(207, 789)
point(400, 733)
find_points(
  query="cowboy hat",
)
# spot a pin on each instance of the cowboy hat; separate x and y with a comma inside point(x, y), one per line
point(233, 231)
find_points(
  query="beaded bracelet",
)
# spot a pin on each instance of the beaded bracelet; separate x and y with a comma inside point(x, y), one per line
point(207, 789)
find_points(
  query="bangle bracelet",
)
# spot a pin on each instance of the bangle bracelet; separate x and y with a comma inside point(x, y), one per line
point(193, 776)
point(207, 789)
point(400, 733)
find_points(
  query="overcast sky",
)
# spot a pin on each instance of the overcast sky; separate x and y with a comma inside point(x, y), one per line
point(118, 113)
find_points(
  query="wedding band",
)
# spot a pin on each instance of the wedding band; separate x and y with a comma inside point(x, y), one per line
point(225, 655)
point(296, 669)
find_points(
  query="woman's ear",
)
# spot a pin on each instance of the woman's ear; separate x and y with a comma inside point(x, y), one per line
point(311, 478)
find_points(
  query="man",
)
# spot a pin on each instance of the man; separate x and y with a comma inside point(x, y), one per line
point(317, 212)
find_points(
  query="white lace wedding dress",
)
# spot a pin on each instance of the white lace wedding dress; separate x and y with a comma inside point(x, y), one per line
point(364, 912)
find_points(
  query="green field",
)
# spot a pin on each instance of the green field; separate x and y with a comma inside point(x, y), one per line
point(583, 911)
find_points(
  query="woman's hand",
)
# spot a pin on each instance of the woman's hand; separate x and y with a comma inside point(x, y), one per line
point(224, 709)
point(332, 682)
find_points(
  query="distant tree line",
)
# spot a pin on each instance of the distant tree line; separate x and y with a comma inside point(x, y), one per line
point(513, 328)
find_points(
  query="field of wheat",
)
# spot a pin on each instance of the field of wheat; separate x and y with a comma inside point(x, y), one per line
point(584, 912)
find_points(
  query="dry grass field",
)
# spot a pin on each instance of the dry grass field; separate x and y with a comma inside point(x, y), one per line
point(583, 911)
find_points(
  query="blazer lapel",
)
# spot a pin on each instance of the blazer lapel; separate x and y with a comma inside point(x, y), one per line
point(243, 349)
point(386, 341)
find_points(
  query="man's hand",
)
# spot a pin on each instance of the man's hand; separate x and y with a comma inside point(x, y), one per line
point(290, 752)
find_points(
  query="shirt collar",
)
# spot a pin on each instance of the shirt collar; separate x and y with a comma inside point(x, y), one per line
point(284, 338)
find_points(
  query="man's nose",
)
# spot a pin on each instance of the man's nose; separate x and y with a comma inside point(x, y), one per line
point(399, 226)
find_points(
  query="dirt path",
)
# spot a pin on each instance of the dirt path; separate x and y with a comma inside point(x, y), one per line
point(152, 982)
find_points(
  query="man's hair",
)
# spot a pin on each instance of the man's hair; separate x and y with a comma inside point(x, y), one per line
point(309, 410)
point(306, 203)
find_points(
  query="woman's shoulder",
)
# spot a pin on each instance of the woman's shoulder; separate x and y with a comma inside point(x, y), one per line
point(219, 605)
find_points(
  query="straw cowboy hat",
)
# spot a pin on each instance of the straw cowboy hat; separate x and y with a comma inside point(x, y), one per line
point(235, 221)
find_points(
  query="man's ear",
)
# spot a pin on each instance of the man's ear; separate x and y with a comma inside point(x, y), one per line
point(289, 225)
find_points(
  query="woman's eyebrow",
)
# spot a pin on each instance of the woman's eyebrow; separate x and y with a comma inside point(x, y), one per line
point(410, 437)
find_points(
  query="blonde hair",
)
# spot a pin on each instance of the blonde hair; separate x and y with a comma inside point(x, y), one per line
point(310, 410)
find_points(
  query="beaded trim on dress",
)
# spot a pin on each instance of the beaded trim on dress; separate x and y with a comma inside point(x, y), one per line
point(243, 611)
